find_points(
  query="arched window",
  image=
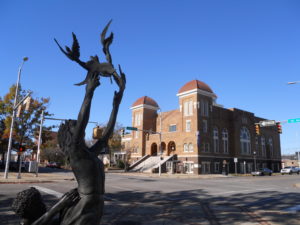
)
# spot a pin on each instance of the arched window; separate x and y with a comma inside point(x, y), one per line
point(185, 147)
point(216, 139)
point(225, 140)
point(245, 141)
point(263, 146)
point(271, 147)
point(191, 148)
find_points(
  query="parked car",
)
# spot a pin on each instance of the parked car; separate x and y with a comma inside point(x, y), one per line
point(262, 172)
point(53, 165)
point(289, 170)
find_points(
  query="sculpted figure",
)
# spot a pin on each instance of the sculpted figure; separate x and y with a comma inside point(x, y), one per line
point(84, 205)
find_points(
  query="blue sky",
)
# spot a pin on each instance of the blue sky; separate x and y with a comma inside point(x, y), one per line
point(246, 51)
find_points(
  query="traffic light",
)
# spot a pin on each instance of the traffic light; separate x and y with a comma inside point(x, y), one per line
point(19, 110)
point(123, 132)
point(21, 148)
point(97, 132)
point(279, 128)
point(27, 103)
point(257, 129)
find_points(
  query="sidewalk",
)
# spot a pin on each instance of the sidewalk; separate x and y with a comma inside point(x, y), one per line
point(68, 175)
point(32, 178)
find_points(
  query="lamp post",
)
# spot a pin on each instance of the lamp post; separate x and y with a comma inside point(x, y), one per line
point(289, 83)
point(254, 158)
point(160, 149)
point(13, 120)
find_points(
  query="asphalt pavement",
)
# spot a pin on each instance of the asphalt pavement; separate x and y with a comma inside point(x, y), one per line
point(130, 207)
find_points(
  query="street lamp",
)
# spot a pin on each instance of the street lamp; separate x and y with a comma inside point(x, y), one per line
point(13, 120)
point(160, 149)
point(254, 158)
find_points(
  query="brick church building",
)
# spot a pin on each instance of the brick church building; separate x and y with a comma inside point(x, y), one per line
point(201, 135)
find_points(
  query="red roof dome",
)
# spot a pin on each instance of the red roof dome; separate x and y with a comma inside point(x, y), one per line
point(195, 84)
point(145, 100)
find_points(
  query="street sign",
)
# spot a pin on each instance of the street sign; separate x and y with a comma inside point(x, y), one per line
point(235, 160)
point(294, 120)
point(131, 128)
point(267, 123)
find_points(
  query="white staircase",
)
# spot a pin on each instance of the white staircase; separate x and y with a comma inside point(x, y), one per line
point(150, 163)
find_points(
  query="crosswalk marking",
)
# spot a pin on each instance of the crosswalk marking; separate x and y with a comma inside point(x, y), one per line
point(49, 191)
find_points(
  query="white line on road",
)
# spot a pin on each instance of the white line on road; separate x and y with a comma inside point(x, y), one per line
point(247, 190)
point(49, 191)
point(58, 194)
point(122, 188)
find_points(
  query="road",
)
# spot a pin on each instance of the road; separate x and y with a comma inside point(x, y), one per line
point(228, 200)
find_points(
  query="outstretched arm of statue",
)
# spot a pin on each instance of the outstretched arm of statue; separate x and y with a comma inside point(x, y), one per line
point(84, 113)
point(66, 200)
point(121, 82)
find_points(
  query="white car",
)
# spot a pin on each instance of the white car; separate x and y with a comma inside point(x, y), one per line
point(289, 170)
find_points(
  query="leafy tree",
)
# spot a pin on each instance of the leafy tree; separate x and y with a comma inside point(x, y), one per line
point(26, 126)
point(3, 142)
point(115, 141)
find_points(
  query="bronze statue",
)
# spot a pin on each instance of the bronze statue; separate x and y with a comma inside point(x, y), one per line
point(84, 205)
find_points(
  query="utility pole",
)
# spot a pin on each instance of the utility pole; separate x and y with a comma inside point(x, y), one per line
point(13, 120)
point(39, 145)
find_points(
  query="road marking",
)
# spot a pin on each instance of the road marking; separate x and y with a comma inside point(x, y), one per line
point(59, 195)
point(122, 188)
point(49, 191)
point(247, 190)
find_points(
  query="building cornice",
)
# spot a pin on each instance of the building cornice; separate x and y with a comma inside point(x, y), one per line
point(144, 106)
point(196, 91)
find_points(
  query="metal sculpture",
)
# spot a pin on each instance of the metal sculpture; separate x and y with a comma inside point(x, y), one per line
point(84, 205)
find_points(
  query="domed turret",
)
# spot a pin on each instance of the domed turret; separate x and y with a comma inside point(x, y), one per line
point(145, 100)
point(195, 84)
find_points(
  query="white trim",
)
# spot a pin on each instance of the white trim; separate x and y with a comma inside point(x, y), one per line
point(144, 106)
point(196, 91)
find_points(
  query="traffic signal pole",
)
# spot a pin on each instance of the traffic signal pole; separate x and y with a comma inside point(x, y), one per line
point(39, 145)
point(13, 120)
